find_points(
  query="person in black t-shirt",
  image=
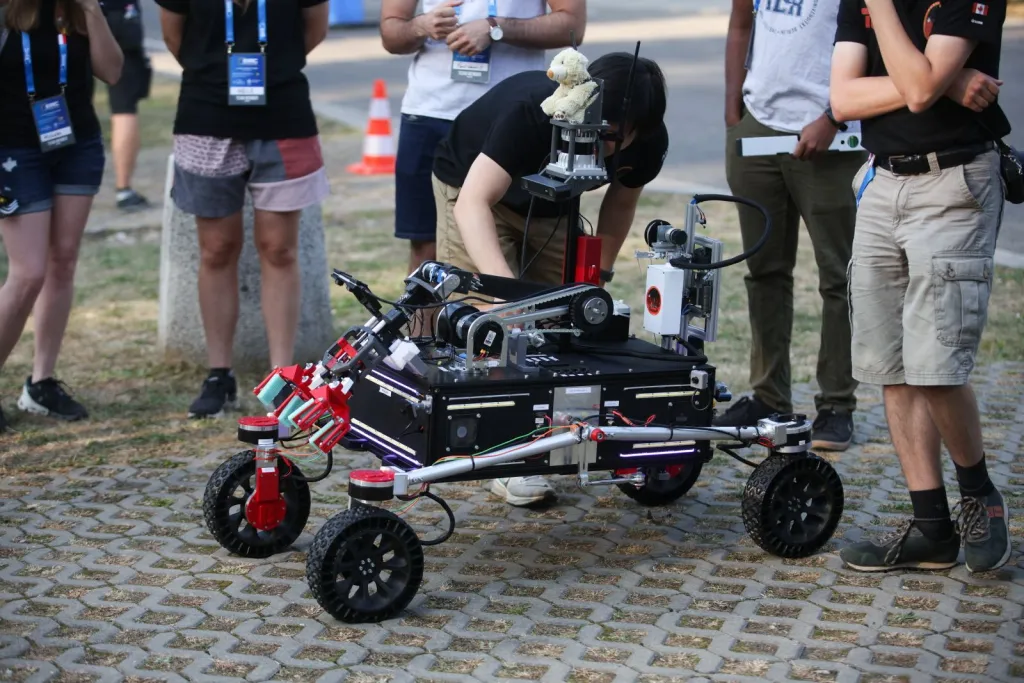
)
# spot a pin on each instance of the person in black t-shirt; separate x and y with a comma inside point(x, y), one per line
point(51, 167)
point(256, 133)
point(482, 209)
point(504, 136)
point(922, 76)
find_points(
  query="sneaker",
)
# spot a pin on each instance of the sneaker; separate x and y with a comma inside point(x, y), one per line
point(52, 398)
point(904, 548)
point(522, 491)
point(983, 523)
point(744, 413)
point(832, 431)
point(130, 201)
point(218, 392)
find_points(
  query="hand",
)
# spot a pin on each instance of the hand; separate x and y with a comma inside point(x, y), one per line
point(470, 39)
point(439, 22)
point(733, 115)
point(974, 90)
point(815, 138)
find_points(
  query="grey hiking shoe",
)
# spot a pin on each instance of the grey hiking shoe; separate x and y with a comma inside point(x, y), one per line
point(904, 548)
point(983, 524)
point(522, 491)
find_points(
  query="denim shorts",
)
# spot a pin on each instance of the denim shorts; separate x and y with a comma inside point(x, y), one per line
point(33, 177)
point(415, 213)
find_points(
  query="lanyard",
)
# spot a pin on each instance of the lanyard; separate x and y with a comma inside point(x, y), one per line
point(869, 175)
point(30, 81)
point(229, 23)
point(492, 10)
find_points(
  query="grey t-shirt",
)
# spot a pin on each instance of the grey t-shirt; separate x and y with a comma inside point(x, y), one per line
point(786, 87)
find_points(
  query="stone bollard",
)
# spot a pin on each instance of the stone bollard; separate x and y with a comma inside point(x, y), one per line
point(180, 329)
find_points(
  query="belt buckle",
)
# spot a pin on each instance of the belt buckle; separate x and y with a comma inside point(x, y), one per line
point(895, 162)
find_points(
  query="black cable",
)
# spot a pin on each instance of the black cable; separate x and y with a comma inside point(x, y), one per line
point(526, 236)
point(558, 223)
point(322, 475)
point(726, 448)
point(680, 262)
point(451, 520)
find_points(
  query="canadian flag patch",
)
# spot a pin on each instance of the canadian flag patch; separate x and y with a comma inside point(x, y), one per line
point(981, 9)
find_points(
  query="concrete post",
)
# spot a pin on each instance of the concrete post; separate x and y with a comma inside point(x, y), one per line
point(180, 328)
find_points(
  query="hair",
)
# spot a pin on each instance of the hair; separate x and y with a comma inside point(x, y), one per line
point(23, 15)
point(648, 96)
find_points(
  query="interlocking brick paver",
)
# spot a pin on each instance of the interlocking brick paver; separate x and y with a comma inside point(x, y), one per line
point(108, 574)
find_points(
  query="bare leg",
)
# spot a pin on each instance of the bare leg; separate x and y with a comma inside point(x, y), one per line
point(914, 436)
point(53, 307)
point(220, 244)
point(419, 252)
point(27, 242)
point(954, 410)
point(124, 143)
point(277, 241)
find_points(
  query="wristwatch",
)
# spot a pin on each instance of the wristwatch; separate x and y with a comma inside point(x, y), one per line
point(607, 275)
point(496, 32)
point(832, 118)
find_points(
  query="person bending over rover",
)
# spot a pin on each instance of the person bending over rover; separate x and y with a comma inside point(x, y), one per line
point(482, 209)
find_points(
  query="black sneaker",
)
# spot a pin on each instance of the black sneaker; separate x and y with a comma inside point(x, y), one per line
point(904, 548)
point(983, 523)
point(130, 201)
point(219, 392)
point(52, 398)
point(832, 431)
point(744, 413)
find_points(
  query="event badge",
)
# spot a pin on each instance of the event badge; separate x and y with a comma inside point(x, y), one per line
point(475, 69)
point(51, 115)
point(247, 71)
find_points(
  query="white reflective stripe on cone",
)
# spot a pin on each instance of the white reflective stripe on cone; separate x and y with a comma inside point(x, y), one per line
point(380, 109)
point(378, 146)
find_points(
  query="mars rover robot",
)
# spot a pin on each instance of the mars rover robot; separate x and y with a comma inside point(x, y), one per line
point(549, 381)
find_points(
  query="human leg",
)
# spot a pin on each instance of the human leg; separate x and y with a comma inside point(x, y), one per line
point(822, 191)
point(277, 242)
point(124, 128)
point(769, 278)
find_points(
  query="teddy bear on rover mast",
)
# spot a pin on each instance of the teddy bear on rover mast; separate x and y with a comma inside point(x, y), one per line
point(576, 89)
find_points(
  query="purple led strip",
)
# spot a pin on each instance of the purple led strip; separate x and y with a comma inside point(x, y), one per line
point(640, 455)
point(369, 437)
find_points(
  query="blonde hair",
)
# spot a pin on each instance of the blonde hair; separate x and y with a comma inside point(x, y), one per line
point(23, 15)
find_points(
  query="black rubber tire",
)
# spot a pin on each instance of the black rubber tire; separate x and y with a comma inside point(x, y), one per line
point(219, 499)
point(792, 504)
point(657, 492)
point(341, 546)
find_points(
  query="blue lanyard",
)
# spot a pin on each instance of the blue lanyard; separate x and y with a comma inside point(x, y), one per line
point(492, 10)
point(229, 23)
point(869, 175)
point(30, 81)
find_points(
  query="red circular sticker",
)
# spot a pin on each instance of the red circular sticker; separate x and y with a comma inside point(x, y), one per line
point(258, 422)
point(653, 301)
point(371, 476)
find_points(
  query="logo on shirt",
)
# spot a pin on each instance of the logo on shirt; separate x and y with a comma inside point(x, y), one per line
point(785, 17)
point(980, 9)
point(867, 16)
point(929, 19)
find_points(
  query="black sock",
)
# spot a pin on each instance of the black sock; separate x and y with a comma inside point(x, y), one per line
point(931, 513)
point(220, 372)
point(974, 481)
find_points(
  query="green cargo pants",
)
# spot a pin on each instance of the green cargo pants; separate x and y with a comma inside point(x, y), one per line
point(819, 192)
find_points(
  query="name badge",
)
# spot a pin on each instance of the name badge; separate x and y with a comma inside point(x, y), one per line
point(475, 69)
point(247, 79)
point(53, 123)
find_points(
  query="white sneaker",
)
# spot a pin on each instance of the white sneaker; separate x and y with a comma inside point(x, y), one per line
point(522, 491)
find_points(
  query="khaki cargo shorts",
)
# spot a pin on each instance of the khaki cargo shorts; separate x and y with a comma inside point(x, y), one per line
point(922, 271)
point(548, 248)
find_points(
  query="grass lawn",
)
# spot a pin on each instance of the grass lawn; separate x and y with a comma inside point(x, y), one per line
point(138, 401)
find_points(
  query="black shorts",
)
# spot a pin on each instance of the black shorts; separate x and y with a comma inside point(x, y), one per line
point(136, 77)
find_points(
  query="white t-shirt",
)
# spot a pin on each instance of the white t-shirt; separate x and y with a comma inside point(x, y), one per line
point(786, 87)
point(432, 92)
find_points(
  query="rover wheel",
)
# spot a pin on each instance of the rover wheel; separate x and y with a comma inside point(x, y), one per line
point(227, 491)
point(792, 504)
point(664, 485)
point(365, 565)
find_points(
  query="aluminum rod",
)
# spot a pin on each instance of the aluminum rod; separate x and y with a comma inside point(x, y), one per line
point(682, 433)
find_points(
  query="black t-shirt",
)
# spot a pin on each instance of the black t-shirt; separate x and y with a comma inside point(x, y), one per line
point(203, 103)
point(17, 127)
point(508, 125)
point(946, 124)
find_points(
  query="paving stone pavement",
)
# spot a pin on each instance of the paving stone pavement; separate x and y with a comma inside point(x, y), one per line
point(108, 574)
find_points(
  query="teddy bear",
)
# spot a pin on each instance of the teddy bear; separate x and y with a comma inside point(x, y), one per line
point(576, 90)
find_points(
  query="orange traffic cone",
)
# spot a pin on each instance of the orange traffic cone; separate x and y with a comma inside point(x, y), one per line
point(379, 145)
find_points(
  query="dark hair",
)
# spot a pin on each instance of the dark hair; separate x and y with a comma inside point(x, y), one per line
point(647, 99)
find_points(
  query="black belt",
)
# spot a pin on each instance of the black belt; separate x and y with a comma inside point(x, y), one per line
point(916, 164)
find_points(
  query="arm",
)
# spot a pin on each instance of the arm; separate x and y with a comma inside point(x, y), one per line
point(741, 20)
point(104, 52)
point(615, 220)
point(485, 185)
point(316, 20)
point(921, 79)
point(555, 29)
point(173, 27)
point(404, 32)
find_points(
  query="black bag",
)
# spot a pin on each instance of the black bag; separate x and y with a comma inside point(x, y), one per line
point(127, 29)
point(1011, 164)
